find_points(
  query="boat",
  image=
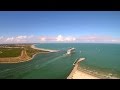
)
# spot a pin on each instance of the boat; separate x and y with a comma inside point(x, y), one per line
point(71, 50)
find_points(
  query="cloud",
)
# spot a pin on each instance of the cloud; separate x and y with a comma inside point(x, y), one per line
point(70, 39)
point(10, 39)
point(85, 38)
point(65, 39)
point(42, 38)
point(21, 37)
point(59, 38)
point(95, 38)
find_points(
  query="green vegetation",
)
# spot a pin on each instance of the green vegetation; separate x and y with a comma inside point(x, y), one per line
point(14, 50)
point(16, 53)
point(10, 52)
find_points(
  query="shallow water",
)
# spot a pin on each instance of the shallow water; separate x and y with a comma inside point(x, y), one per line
point(101, 58)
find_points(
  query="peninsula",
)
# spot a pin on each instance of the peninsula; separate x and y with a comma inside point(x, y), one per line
point(16, 53)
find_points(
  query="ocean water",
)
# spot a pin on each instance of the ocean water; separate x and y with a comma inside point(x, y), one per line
point(102, 60)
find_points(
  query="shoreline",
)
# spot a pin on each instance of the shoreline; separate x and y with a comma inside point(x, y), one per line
point(19, 59)
point(77, 74)
point(49, 50)
point(27, 58)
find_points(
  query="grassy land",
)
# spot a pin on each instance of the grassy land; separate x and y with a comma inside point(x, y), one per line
point(10, 52)
point(17, 53)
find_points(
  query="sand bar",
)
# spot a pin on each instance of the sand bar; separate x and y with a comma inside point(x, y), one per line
point(33, 46)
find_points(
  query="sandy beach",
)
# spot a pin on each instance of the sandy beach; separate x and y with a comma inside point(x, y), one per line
point(81, 75)
point(77, 74)
point(33, 46)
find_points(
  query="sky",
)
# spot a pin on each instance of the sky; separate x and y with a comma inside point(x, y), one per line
point(59, 26)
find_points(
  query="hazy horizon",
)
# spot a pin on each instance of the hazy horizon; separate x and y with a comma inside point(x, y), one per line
point(59, 27)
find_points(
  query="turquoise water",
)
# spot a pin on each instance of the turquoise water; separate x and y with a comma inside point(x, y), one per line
point(103, 59)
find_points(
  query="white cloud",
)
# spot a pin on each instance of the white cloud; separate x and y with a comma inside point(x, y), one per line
point(95, 38)
point(9, 39)
point(43, 39)
point(21, 37)
point(65, 39)
point(88, 38)
point(60, 38)
point(70, 39)
point(117, 40)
